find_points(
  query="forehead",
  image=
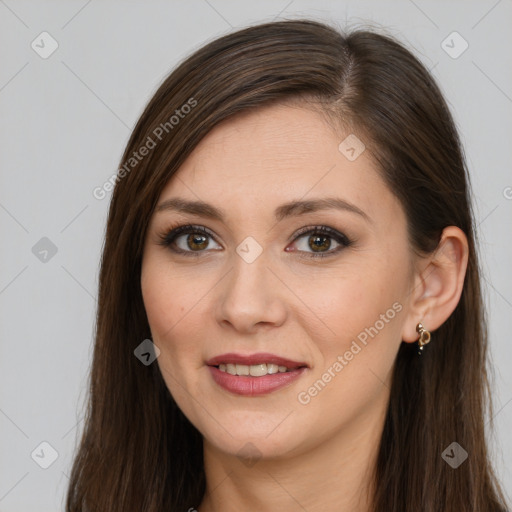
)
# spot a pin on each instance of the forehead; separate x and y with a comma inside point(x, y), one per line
point(273, 155)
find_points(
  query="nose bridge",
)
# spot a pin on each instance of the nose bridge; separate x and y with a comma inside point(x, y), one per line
point(249, 295)
point(250, 261)
point(249, 275)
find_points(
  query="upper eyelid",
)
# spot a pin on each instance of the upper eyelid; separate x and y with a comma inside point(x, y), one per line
point(186, 228)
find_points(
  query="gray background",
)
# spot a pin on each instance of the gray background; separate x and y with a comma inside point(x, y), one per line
point(64, 123)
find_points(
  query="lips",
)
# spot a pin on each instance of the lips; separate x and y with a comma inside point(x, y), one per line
point(235, 372)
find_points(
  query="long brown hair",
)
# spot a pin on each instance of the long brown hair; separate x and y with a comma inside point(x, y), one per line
point(138, 451)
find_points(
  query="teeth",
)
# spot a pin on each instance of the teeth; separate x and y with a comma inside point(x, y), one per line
point(257, 370)
point(242, 369)
point(254, 370)
point(272, 368)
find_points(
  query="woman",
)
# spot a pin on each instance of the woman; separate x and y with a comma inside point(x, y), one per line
point(290, 314)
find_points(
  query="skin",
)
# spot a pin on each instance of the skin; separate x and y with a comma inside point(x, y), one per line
point(319, 455)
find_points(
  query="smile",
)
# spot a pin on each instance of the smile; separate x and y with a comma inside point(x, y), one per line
point(254, 370)
point(254, 374)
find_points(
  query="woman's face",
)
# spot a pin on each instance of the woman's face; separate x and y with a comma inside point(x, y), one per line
point(255, 289)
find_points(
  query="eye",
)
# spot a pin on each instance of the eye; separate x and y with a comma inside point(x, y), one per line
point(319, 240)
point(191, 240)
point(188, 240)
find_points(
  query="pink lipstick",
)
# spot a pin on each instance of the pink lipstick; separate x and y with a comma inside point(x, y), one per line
point(254, 374)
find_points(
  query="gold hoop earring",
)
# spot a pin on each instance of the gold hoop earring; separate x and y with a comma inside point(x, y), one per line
point(424, 337)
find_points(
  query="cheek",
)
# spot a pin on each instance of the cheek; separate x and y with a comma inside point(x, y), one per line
point(168, 298)
point(359, 317)
point(356, 348)
point(174, 309)
point(345, 306)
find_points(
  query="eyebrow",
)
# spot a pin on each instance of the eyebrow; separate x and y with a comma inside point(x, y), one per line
point(284, 211)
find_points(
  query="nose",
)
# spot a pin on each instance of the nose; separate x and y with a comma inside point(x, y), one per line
point(250, 296)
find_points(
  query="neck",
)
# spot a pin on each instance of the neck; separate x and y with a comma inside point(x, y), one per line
point(336, 474)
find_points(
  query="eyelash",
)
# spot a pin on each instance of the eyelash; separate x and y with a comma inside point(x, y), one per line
point(167, 238)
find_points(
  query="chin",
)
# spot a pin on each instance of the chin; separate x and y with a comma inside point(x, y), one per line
point(247, 445)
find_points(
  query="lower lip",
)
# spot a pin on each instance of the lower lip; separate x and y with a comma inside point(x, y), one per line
point(254, 386)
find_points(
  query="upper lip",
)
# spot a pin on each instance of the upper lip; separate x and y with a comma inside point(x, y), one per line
point(253, 359)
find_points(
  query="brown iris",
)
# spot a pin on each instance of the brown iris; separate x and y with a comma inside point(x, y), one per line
point(316, 244)
point(197, 242)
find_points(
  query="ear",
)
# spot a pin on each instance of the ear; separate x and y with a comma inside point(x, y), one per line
point(438, 283)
